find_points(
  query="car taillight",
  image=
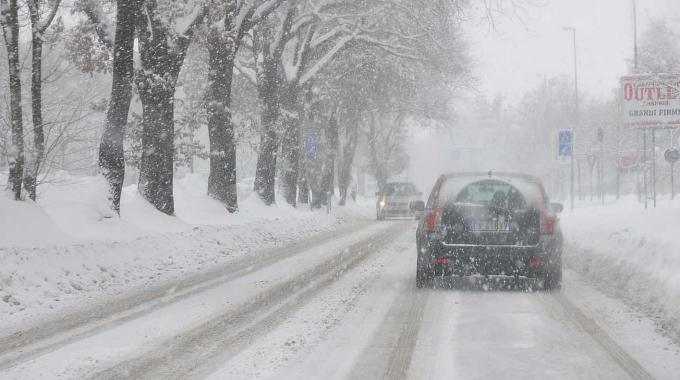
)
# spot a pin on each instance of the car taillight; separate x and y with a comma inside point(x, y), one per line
point(441, 261)
point(433, 219)
point(548, 223)
point(535, 262)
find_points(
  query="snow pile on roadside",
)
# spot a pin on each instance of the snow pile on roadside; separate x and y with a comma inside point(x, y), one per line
point(62, 254)
point(75, 209)
point(630, 252)
point(26, 223)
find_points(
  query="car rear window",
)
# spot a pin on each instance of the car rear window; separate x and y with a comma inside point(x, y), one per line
point(516, 191)
point(400, 189)
point(490, 191)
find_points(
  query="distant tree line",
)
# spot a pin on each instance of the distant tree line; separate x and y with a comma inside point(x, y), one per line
point(528, 130)
point(317, 82)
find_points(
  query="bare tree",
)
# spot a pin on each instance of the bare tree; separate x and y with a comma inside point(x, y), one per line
point(268, 47)
point(164, 33)
point(38, 28)
point(406, 67)
point(289, 54)
point(111, 157)
point(162, 52)
point(385, 140)
point(9, 19)
point(659, 48)
point(224, 39)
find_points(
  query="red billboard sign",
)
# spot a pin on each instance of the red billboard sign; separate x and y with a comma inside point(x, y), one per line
point(651, 101)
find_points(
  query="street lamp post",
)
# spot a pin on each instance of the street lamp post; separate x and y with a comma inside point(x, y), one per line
point(576, 113)
point(635, 47)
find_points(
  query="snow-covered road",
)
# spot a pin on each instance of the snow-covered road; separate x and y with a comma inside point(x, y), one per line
point(347, 307)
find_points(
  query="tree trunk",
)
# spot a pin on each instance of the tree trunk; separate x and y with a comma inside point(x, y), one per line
point(290, 121)
point(265, 174)
point(379, 170)
point(222, 179)
point(31, 174)
point(361, 182)
point(303, 190)
point(162, 56)
point(319, 197)
point(331, 153)
point(111, 158)
point(10, 28)
point(156, 166)
point(303, 182)
point(348, 152)
point(38, 28)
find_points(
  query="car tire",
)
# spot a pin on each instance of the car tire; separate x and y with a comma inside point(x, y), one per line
point(553, 279)
point(423, 275)
point(423, 279)
point(380, 215)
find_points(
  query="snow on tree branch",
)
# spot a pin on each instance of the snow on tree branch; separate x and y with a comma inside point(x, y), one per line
point(102, 23)
point(34, 9)
point(326, 58)
point(248, 72)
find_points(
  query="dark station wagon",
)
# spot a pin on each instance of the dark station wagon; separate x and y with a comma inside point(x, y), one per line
point(489, 224)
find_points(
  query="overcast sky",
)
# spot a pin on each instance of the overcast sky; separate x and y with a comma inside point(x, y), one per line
point(516, 56)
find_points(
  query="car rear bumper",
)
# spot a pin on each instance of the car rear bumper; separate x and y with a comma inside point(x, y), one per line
point(501, 260)
point(396, 212)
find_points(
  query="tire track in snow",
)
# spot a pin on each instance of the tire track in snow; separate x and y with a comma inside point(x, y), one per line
point(195, 353)
point(400, 358)
point(331, 316)
point(28, 344)
point(395, 341)
point(616, 352)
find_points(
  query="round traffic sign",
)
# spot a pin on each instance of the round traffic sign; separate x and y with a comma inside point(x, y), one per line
point(591, 159)
point(628, 160)
point(672, 155)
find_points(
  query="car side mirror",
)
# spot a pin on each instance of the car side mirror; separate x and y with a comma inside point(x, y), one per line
point(557, 207)
point(417, 206)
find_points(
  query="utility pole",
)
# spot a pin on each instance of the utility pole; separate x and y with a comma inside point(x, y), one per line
point(644, 164)
point(644, 130)
point(635, 46)
point(576, 113)
point(654, 168)
point(600, 138)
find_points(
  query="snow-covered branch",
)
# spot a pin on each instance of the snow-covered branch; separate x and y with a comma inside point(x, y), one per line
point(283, 33)
point(264, 9)
point(50, 17)
point(248, 72)
point(341, 43)
point(321, 38)
point(194, 19)
point(102, 25)
point(34, 10)
point(392, 49)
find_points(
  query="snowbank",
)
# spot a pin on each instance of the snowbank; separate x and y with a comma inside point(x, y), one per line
point(26, 223)
point(62, 252)
point(630, 252)
point(74, 209)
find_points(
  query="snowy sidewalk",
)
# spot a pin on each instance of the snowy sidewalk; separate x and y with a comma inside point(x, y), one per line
point(60, 256)
point(631, 253)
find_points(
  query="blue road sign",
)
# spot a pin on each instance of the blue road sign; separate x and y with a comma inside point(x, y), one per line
point(566, 143)
point(311, 146)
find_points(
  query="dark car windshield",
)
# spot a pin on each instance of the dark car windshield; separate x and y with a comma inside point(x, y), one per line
point(490, 192)
point(512, 191)
point(400, 189)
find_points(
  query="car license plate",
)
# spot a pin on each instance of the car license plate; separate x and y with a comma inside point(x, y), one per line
point(491, 225)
